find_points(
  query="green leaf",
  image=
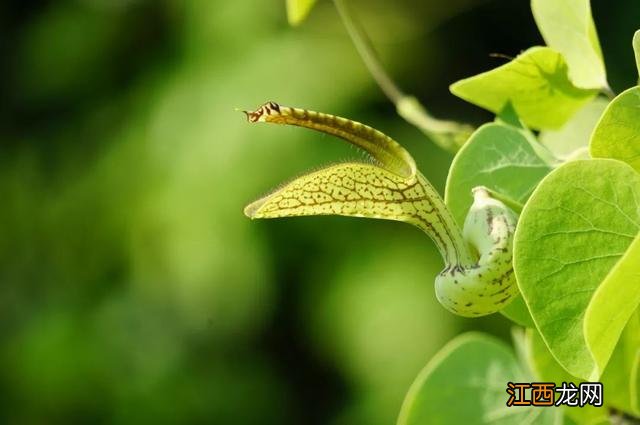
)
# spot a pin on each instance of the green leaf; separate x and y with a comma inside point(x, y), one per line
point(621, 378)
point(546, 369)
point(500, 157)
point(636, 50)
point(577, 225)
point(572, 140)
point(465, 383)
point(617, 134)
point(298, 10)
point(612, 304)
point(536, 83)
point(567, 26)
point(518, 312)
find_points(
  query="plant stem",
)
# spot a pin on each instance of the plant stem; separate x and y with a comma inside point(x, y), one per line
point(369, 56)
point(449, 135)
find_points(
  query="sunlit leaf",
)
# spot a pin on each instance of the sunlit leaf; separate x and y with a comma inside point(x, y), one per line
point(537, 85)
point(567, 26)
point(617, 134)
point(622, 376)
point(579, 222)
point(613, 303)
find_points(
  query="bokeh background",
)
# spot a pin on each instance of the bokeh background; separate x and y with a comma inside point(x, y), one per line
point(132, 288)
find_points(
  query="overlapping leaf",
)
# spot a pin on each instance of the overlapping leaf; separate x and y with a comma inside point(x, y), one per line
point(613, 303)
point(537, 85)
point(579, 222)
point(546, 369)
point(572, 140)
point(617, 134)
point(475, 369)
point(502, 158)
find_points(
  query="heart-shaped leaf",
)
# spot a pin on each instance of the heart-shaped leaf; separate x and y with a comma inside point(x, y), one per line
point(537, 85)
point(504, 159)
point(579, 222)
point(470, 374)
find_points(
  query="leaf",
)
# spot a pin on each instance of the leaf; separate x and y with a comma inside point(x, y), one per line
point(612, 304)
point(621, 378)
point(518, 312)
point(298, 10)
point(576, 226)
point(500, 157)
point(636, 51)
point(567, 26)
point(536, 83)
point(465, 383)
point(572, 140)
point(617, 134)
point(546, 369)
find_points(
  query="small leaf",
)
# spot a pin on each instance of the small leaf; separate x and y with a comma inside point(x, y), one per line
point(572, 140)
point(536, 83)
point(577, 225)
point(298, 10)
point(470, 374)
point(567, 26)
point(617, 134)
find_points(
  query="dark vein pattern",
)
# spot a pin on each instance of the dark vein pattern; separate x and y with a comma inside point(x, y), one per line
point(394, 190)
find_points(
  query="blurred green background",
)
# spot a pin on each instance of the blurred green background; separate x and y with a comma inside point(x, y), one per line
point(133, 289)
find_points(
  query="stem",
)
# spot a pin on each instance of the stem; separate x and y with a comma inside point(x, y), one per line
point(368, 54)
point(449, 135)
